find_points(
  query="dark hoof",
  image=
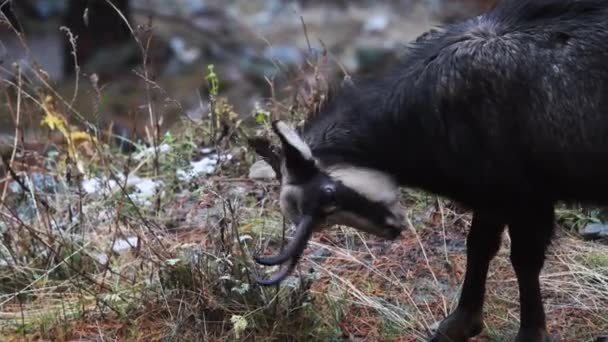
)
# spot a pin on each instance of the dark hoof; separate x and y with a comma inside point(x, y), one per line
point(533, 335)
point(458, 327)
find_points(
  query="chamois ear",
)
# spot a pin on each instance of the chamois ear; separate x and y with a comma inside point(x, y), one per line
point(264, 149)
point(298, 156)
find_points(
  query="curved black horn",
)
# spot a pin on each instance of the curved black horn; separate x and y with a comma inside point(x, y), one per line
point(280, 275)
point(295, 247)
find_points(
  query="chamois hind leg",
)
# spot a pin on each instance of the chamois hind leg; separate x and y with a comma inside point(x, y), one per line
point(483, 242)
point(530, 235)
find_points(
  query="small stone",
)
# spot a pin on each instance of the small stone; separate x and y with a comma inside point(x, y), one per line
point(122, 245)
point(292, 282)
point(261, 170)
point(320, 254)
point(595, 231)
point(101, 258)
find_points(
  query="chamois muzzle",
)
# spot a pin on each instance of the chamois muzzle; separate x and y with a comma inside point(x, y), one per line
point(292, 253)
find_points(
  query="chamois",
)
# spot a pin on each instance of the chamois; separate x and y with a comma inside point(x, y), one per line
point(505, 113)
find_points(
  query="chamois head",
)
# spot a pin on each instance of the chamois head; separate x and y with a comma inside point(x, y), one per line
point(314, 197)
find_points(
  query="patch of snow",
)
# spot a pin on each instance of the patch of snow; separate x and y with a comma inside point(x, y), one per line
point(145, 189)
point(377, 23)
point(91, 185)
point(14, 187)
point(97, 185)
point(206, 166)
point(226, 157)
point(186, 55)
point(149, 152)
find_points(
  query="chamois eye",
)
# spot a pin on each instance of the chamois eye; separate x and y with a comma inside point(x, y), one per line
point(329, 193)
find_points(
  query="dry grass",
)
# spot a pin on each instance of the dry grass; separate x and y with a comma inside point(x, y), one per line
point(189, 275)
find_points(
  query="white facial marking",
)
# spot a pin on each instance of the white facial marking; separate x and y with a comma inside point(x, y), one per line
point(372, 184)
point(289, 197)
point(351, 220)
point(358, 222)
point(375, 185)
point(294, 139)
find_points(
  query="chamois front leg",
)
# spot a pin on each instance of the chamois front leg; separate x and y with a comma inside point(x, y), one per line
point(483, 242)
point(530, 236)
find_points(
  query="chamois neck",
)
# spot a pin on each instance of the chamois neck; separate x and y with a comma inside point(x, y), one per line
point(386, 123)
point(365, 127)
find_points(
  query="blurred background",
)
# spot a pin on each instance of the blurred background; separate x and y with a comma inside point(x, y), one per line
point(249, 42)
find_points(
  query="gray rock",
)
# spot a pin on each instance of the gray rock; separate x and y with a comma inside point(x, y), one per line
point(261, 170)
point(595, 231)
